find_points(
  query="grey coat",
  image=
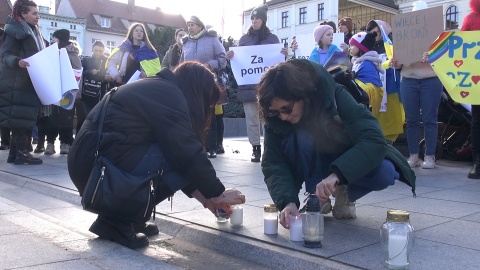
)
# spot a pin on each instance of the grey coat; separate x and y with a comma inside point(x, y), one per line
point(207, 50)
point(246, 93)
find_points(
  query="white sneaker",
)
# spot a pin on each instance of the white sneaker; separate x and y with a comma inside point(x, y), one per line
point(429, 162)
point(343, 208)
point(50, 150)
point(414, 160)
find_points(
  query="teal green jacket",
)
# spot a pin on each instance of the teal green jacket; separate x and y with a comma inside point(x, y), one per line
point(365, 144)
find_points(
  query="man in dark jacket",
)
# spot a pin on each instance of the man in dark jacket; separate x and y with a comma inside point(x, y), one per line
point(94, 83)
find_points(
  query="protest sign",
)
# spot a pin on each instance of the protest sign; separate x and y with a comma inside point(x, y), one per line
point(413, 32)
point(338, 39)
point(306, 44)
point(53, 78)
point(250, 62)
point(454, 57)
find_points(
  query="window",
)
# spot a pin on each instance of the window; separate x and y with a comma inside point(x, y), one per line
point(105, 22)
point(284, 41)
point(95, 39)
point(110, 45)
point(451, 18)
point(321, 12)
point(73, 27)
point(54, 24)
point(73, 38)
point(303, 15)
point(284, 19)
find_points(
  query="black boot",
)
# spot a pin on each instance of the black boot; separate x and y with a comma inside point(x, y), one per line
point(257, 153)
point(12, 154)
point(147, 228)
point(119, 231)
point(475, 172)
point(24, 157)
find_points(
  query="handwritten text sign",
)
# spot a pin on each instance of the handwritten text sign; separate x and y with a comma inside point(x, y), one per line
point(250, 62)
point(454, 57)
point(412, 32)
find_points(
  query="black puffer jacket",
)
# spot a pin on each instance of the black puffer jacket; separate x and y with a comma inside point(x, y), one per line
point(19, 103)
point(154, 110)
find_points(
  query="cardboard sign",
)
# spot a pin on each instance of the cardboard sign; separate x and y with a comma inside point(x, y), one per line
point(454, 57)
point(413, 32)
point(250, 62)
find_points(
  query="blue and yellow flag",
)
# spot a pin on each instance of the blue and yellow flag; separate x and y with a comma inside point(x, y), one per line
point(387, 43)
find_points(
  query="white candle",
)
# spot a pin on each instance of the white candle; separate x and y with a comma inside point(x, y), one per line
point(397, 250)
point(236, 219)
point(270, 225)
point(296, 228)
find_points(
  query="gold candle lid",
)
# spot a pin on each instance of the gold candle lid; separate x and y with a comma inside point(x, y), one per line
point(398, 216)
point(270, 207)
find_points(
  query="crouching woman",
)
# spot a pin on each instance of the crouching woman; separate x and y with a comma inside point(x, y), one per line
point(317, 134)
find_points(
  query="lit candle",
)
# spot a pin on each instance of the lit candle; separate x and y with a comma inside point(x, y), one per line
point(397, 250)
point(296, 228)
point(270, 225)
point(236, 219)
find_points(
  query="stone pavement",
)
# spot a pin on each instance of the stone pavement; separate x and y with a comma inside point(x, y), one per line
point(42, 225)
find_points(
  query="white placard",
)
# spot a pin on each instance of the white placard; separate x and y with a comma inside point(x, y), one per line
point(338, 38)
point(250, 62)
point(306, 44)
point(135, 76)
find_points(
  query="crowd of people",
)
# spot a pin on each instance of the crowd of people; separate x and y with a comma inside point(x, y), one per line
point(171, 119)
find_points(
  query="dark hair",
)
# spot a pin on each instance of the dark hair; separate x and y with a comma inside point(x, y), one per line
point(290, 80)
point(331, 23)
point(372, 24)
point(201, 91)
point(20, 7)
point(98, 43)
point(263, 32)
point(145, 35)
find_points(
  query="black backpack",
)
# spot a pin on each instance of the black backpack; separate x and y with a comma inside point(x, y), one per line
point(345, 78)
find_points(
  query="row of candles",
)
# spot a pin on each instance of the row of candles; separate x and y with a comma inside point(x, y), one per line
point(396, 233)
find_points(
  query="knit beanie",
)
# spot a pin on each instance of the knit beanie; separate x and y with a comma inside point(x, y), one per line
point(319, 31)
point(63, 35)
point(260, 12)
point(364, 41)
point(472, 21)
point(348, 22)
point(196, 20)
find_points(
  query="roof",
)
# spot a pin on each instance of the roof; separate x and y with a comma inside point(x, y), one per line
point(5, 10)
point(117, 11)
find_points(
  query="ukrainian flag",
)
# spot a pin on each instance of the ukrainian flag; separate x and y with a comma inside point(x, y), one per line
point(387, 43)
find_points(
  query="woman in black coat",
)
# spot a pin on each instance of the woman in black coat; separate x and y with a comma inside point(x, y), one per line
point(19, 103)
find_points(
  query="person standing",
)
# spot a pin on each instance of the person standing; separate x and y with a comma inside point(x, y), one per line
point(472, 23)
point(172, 57)
point(323, 36)
point(19, 103)
point(345, 26)
point(203, 45)
point(94, 83)
point(257, 34)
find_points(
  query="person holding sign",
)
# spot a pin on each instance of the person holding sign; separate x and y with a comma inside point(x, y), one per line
point(472, 23)
point(317, 134)
point(136, 54)
point(345, 26)
point(257, 34)
point(19, 103)
point(323, 36)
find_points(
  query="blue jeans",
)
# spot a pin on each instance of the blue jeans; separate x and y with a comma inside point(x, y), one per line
point(312, 167)
point(154, 160)
point(421, 98)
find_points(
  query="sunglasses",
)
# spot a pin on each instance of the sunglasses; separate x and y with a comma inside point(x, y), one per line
point(285, 110)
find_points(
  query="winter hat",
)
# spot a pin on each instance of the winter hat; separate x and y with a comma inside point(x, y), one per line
point(364, 41)
point(260, 12)
point(348, 22)
point(63, 35)
point(319, 31)
point(196, 20)
point(472, 21)
point(419, 5)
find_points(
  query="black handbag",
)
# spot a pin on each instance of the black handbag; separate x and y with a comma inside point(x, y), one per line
point(116, 193)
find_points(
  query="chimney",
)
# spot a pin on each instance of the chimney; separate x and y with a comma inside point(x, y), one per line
point(131, 5)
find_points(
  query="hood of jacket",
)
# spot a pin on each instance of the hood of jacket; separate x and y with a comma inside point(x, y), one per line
point(383, 24)
point(208, 33)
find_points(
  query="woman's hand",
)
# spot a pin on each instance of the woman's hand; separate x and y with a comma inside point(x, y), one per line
point(23, 64)
point(284, 51)
point(344, 47)
point(326, 187)
point(294, 46)
point(393, 62)
point(214, 206)
point(233, 196)
point(290, 209)
point(229, 55)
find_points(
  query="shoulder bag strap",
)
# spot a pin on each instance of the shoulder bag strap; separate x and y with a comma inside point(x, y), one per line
point(100, 116)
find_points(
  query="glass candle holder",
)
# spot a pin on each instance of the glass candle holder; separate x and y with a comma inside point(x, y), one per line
point(220, 216)
point(236, 219)
point(397, 239)
point(296, 228)
point(270, 219)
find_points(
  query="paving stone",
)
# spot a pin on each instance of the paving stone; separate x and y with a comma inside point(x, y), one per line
point(456, 232)
point(465, 196)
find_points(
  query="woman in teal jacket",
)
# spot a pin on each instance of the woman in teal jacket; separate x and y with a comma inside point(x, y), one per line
point(318, 134)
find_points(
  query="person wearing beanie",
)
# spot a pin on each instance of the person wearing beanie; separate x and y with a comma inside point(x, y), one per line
point(391, 117)
point(421, 92)
point(331, 23)
point(367, 68)
point(345, 26)
point(323, 36)
point(257, 34)
point(172, 56)
point(202, 45)
point(472, 23)
point(62, 37)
